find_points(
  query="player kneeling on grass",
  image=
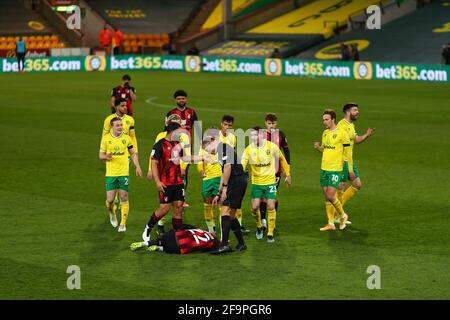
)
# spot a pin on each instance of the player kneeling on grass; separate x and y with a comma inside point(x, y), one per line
point(114, 150)
point(186, 239)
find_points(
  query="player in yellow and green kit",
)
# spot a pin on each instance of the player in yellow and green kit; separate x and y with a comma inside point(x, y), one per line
point(227, 137)
point(210, 174)
point(351, 114)
point(262, 156)
point(114, 150)
point(184, 140)
point(335, 143)
point(128, 129)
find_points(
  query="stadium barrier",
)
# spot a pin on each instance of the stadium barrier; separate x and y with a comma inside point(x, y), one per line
point(362, 70)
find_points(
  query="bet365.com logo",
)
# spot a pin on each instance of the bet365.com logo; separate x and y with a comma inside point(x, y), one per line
point(273, 67)
point(362, 70)
point(95, 63)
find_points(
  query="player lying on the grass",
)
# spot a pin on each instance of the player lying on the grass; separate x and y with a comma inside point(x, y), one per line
point(263, 157)
point(186, 239)
point(114, 150)
point(121, 107)
point(233, 183)
point(278, 137)
point(166, 156)
point(351, 114)
point(183, 138)
point(335, 143)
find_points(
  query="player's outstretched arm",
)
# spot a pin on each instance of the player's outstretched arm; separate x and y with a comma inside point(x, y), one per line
point(365, 136)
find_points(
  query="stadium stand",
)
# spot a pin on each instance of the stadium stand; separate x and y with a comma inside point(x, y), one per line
point(294, 31)
point(415, 38)
point(142, 17)
point(239, 8)
point(18, 21)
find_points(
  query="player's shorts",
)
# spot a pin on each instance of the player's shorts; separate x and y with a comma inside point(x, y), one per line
point(113, 183)
point(236, 192)
point(330, 178)
point(345, 177)
point(269, 191)
point(172, 193)
point(210, 187)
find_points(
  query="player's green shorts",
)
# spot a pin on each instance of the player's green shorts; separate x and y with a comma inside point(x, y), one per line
point(210, 187)
point(330, 178)
point(345, 172)
point(268, 192)
point(113, 183)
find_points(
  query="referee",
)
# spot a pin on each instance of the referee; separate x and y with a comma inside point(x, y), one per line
point(233, 184)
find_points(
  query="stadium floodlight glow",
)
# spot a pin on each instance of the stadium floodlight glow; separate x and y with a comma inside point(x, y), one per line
point(64, 8)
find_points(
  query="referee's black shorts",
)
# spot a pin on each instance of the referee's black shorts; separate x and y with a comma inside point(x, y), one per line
point(236, 192)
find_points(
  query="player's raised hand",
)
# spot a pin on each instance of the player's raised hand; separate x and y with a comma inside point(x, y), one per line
point(288, 181)
point(149, 176)
point(160, 186)
point(369, 132)
point(138, 172)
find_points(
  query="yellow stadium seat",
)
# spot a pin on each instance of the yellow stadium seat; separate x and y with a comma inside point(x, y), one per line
point(25, 38)
point(39, 38)
point(134, 49)
point(32, 38)
point(47, 38)
point(16, 38)
point(54, 44)
point(31, 45)
point(133, 37)
point(2, 39)
point(40, 45)
point(9, 39)
point(133, 43)
point(127, 49)
point(61, 45)
point(47, 44)
point(54, 37)
point(10, 46)
point(2, 45)
point(142, 37)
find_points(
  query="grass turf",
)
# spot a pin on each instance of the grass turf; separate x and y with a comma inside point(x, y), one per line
point(52, 195)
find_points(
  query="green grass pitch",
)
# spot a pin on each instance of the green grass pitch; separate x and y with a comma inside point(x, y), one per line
point(52, 192)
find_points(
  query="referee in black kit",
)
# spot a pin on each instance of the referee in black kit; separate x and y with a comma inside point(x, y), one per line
point(233, 184)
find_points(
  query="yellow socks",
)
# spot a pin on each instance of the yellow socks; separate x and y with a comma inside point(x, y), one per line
point(348, 194)
point(239, 215)
point(330, 212)
point(110, 207)
point(338, 206)
point(272, 216)
point(257, 216)
point(124, 211)
point(208, 211)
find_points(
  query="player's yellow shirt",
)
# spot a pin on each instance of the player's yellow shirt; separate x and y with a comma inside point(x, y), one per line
point(127, 125)
point(333, 149)
point(230, 139)
point(262, 162)
point(350, 129)
point(118, 166)
point(185, 144)
point(212, 170)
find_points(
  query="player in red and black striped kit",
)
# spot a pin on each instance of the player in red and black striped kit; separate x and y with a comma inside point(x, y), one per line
point(166, 156)
point(279, 138)
point(187, 239)
point(188, 117)
point(124, 91)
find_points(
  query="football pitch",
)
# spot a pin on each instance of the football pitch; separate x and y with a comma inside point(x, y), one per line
point(52, 192)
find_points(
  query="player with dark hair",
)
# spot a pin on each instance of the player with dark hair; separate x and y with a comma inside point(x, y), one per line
point(346, 192)
point(124, 91)
point(335, 143)
point(187, 239)
point(166, 156)
point(233, 184)
point(188, 117)
point(278, 137)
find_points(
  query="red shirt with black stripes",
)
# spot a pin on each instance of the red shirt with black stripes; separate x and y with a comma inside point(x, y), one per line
point(168, 153)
